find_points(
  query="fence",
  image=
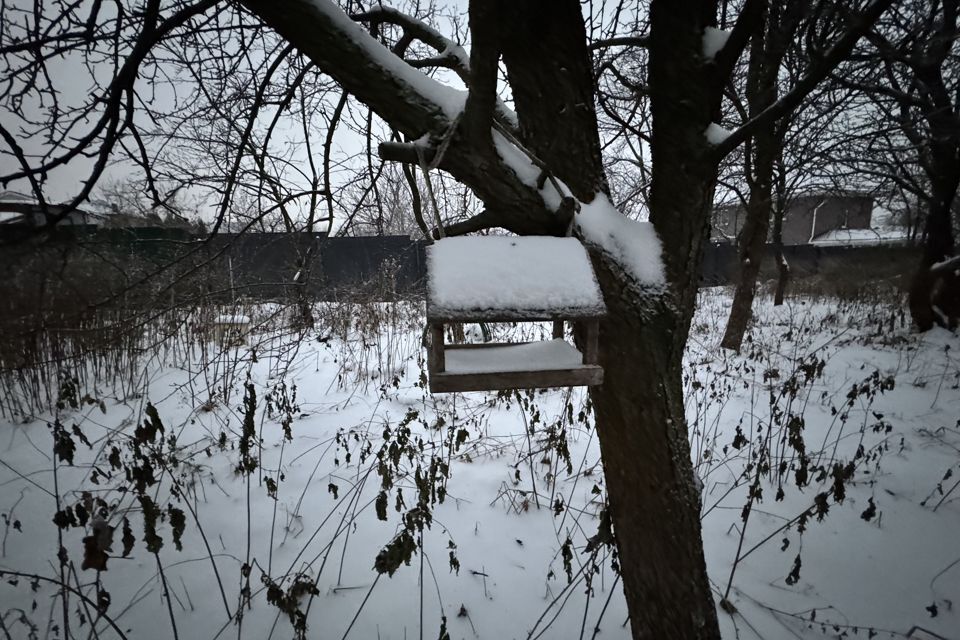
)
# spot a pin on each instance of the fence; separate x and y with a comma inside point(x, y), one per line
point(95, 264)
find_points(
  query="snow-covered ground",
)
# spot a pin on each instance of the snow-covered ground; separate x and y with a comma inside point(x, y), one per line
point(274, 517)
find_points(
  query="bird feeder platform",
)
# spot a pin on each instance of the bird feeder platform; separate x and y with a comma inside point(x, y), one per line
point(512, 279)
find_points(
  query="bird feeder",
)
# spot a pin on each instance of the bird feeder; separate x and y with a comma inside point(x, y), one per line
point(512, 279)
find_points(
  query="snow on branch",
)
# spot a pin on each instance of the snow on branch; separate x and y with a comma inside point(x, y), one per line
point(620, 41)
point(716, 134)
point(407, 98)
point(529, 170)
point(449, 53)
point(946, 266)
point(713, 41)
point(633, 245)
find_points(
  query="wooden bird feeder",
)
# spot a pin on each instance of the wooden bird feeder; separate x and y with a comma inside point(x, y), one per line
point(512, 279)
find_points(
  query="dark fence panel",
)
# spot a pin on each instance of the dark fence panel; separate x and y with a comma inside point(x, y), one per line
point(720, 265)
point(272, 266)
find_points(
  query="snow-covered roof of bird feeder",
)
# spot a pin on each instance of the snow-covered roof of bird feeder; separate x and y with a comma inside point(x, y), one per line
point(510, 278)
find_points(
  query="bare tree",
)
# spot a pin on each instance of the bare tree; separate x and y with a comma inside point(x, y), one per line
point(475, 138)
point(910, 76)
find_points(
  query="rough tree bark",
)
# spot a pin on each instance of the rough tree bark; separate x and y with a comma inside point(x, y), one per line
point(934, 298)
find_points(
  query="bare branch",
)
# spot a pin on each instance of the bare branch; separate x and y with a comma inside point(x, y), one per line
point(819, 70)
point(621, 41)
point(486, 219)
point(452, 54)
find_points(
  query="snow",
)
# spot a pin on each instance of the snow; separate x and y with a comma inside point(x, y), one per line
point(713, 41)
point(232, 319)
point(861, 237)
point(716, 134)
point(945, 262)
point(530, 356)
point(881, 217)
point(17, 197)
point(450, 100)
point(504, 277)
point(10, 216)
point(527, 172)
point(879, 574)
point(633, 244)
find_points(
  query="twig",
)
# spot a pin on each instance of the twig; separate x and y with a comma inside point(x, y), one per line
point(362, 604)
point(60, 550)
point(166, 594)
point(613, 589)
point(79, 594)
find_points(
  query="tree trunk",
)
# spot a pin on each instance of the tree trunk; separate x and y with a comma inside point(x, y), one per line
point(783, 267)
point(783, 275)
point(935, 299)
point(639, 408)
point(751, 246)
point(766, 52)
point(752, 243)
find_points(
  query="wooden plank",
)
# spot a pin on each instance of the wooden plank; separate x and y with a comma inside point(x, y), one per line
point(482, 345)
point(591, 350)
point(436, 357)
point(435, 314)
point(558, 328)
point(587, 375)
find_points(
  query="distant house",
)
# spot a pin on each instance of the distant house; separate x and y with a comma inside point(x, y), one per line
point(19, 210)
point(814, 219)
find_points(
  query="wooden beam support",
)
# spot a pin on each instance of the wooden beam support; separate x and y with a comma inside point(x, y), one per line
point(581, 376)
point(591, 347)
point(558, 329)
point(437, 360)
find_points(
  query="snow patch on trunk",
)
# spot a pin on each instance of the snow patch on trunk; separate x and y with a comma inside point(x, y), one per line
point(716, 134)
point(713, 41)
point(634, 245)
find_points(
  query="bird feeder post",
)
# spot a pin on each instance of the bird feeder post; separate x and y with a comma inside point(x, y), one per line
point(437, 358)
point(591, 347)
point(558, 329)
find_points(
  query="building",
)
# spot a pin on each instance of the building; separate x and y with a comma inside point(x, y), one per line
point(19, 210)
point(806, 220)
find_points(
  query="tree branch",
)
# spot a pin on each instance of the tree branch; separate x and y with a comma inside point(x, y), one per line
point(621, 41)
point(819, 70)
point(451, 53)
point(407, 99)
point(484, 60)
point(486, 219)
point(405, 152)
point(749, 20)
